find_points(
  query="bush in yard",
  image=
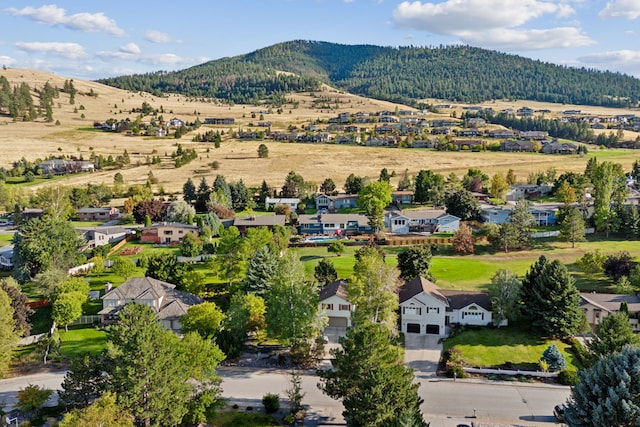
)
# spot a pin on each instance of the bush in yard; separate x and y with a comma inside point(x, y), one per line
point(618, 265)
point(452, 360)
point(580, 352)
point(336, 247)
point(271, 403)
point(568, 377)
point(32, 397)
point(554, 359)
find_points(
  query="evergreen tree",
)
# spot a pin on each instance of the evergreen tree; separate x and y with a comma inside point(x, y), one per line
point(83, 383)
point(324, 272)
point(462, 204)
point(522, 221)
point(554, 359)
point(261, 271)
point(189, 191)
point(405, 181)
point(428, 187)
point(607, 393)
point(550, 299)
point(414, 261)
point(265, 192)
point(384, 175)
point(573, 227)
point(353, 184)
point(293, 186)
point(328, 187)
point(370, 379)
point(612, 334)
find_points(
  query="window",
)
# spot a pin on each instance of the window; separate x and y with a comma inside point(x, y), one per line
point(398, 222)
point(168, 232)
point(412, 311)
point(327, 306)
point(344, 307)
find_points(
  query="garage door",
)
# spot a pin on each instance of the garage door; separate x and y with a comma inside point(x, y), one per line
point(338, 322)
point(413, 328)
point(433, 329)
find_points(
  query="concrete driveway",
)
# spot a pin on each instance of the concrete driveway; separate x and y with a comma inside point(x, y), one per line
point(422, 353)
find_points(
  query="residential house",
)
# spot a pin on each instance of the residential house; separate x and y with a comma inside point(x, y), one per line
point(421, 221)
point(424, 144)
point(245, 223)
point(30, 213)
point(175, 122)
point(597, 306)
point(63, 166)
point(543, 215)
point(537, 135)
point(333, 224)
point(481, 197)
point(160, 132)
point(516, 146)
point(167, 232)
point(427, 310)
point(525, 112)
point(501, 133)
point(219, 121)
point(169, 303)
point(559, 148)
point(333, 203)
point(476, 122)
point(527, 191)
point(468, 144)
point(334, 303)
point(401, 198)
point(272, 202)
point(99, 214)
point(6, 257)
point(100, 236)
point(470, 132)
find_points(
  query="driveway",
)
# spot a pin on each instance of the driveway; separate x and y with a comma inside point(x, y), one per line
point(422, 353)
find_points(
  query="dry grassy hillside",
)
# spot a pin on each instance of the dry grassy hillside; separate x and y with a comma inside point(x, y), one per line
point(236, 160)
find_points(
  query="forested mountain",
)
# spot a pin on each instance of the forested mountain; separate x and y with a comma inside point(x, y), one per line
point(406, 74)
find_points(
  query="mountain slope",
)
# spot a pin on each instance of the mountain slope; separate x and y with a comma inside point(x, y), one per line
point(406, 75)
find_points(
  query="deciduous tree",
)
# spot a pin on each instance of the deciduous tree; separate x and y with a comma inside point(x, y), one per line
point(205, 319)
point(505, 295)
point(414, 261)
point(463, 240)
point(462, 204)
point(373, 198)
point(325, 272)
point(8, 334)
point(104, 412)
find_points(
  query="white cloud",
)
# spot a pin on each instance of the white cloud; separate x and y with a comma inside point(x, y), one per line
point(54, 15)
point(629, 9)
point(7, 60)
point(66, 50)
point(514, 39)
point(130, 48)
point(492, 23)
point(157, 37)
point(625, 61)
point(454, 16)
point(162, 59)
point(149, 59)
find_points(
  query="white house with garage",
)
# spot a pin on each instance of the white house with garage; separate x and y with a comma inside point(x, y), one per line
point(335, 305)
point(426, 309)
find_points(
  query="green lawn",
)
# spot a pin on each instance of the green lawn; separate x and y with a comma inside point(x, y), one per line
point(81, 340)
point(87, 223)
point(6, 239)
point(512, 347)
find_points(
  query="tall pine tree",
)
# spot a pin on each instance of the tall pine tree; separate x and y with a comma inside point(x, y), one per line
point(261, 271)
point(550, 299)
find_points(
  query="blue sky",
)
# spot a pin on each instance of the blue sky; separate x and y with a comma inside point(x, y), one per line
point(95, 39)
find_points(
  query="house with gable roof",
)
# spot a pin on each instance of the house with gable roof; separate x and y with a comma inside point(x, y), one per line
point(597, 306)
point(335, 304)
point(420, 221)
point(169, 303)
point(426, 309)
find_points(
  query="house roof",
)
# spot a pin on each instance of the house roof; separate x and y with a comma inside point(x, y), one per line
point(333, 218)
point(174, 303)
point(461, 299)
point(422, 214)
point(611, 302)
point(258, 221)
point(339, 196)
point(337, 288)
point(173, 225)
point(94, 210)
point(283, 200)
point(419, 285)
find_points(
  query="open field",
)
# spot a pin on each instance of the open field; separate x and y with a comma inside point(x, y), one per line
point(239, 160)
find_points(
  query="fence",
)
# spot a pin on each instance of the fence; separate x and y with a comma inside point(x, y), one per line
point(509, 372)
point(87, 320)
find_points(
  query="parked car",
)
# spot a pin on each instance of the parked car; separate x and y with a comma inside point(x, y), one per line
point(558, 412)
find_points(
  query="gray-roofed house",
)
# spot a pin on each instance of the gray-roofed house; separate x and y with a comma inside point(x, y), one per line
point(169, 303)
point(6, 257)
point(426, 309)
point(246, 222)
point(597, 306)
point(100, 236)
point(334, 303)
point(99, 214)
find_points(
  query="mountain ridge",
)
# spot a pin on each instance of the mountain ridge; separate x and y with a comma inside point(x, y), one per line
point(407, 75)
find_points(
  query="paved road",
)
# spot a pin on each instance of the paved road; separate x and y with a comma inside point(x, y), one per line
point(447, 403)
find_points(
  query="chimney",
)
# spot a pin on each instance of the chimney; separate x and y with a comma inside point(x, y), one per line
point(108, 286)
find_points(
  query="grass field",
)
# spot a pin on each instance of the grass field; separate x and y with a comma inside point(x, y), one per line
point(82, 340)
point(512, 347)
point(236, 159)
point(242, 419)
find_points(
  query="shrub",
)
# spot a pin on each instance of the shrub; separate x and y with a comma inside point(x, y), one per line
point(554, 359)
point(568, 377)
point(271, 403)
point(618, 265)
